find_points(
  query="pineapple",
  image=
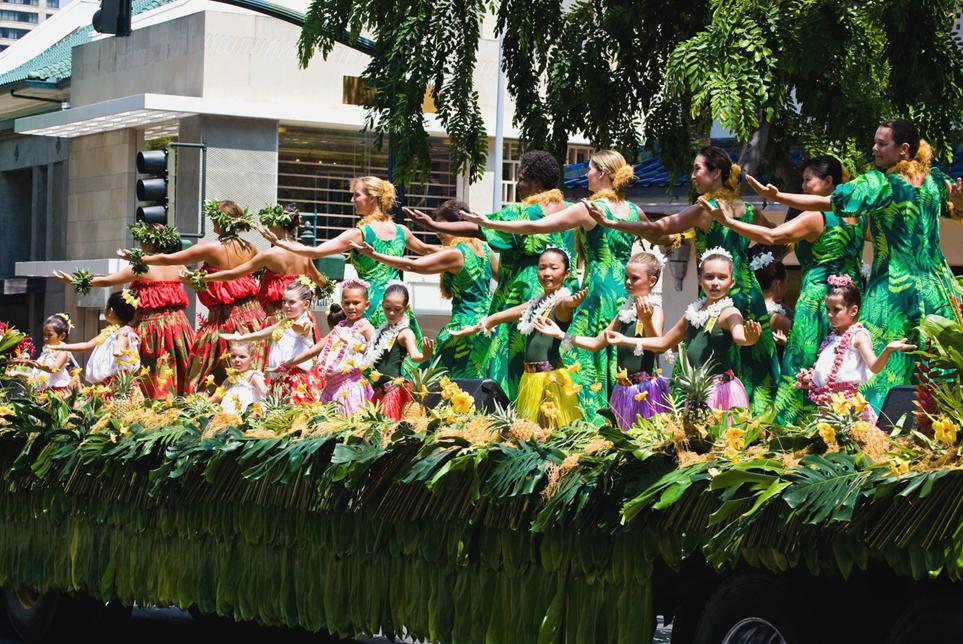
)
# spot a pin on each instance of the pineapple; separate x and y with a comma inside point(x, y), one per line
point(511, 427)
point(423, 382)
point(695, 385)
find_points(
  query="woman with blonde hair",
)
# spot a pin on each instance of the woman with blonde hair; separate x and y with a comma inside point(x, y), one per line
point(716, 178)
point(606, 252)
point(373, 199)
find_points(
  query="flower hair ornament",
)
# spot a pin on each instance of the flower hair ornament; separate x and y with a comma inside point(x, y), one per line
point(840, 280)
point(278, 215)
point(66, 319)
point(354, 282)
point(396, 283)
point(558, 249)
point(657, 253)
point(231, 227)
point(716, 251)
point(129, 297)
point(761, 261)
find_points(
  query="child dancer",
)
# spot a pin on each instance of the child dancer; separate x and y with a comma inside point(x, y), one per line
point(115, 350)
point(846, 358)
point(771, 275)
point(391, 343)
point(244, 385)
point(340, 354)
point(639, 391)
point(546, 392)
point(50, 370)
point(710, 327)
point(290, 337)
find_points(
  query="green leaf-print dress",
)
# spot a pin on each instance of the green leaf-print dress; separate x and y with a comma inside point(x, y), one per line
point(837, 251)
point(606, 251)
point(910, 277)
point(378, 275)
point(756, 366)
point(470, 294)
point(504, 352)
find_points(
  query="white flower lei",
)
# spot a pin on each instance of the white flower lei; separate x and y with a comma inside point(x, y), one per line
point(697, 316)
point(776, 307)
point(539, 306)
point(628, 314)
point(384, 339)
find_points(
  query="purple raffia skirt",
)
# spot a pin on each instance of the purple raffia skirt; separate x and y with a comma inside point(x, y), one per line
point(728, 392)
point(640, 394)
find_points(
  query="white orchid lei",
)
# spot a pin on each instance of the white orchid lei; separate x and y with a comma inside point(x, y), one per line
point(698, 316)
point(628, 314)
point(384, 338)
point(538, 307)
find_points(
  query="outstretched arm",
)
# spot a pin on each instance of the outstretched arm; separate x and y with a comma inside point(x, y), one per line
point(493, 320)
point(407, 340)
point(572, 217)
point(416, 245)
point(593, 344)
point(340, 244)
point(808, 226)
point(791, 199)
point(76, 346)
point(249, 337)
point(444, 261)
point(123, 276)
point(192, 255)
point(745, 333)
point(454, 228)
point(660, 344)
point(59, 361)
point(653, 231)
point(876, 363)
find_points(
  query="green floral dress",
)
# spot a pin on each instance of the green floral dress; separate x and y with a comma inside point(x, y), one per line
point(606, 252)
point(756, 366)
point(910, 277)
point(837, 251)
point(378, 275)
point(470, 297)
point(504, 351)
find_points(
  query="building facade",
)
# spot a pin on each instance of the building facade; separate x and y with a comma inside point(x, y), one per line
point(18, 17)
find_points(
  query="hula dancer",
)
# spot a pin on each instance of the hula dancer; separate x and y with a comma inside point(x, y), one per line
point(51, 369)
point(825, 244)
point(546, 393)
point(391, 343)
point(340, 354)
point(640, 390)
point(466, 267)
point(244, 385)
point(167, 336)
point(606, 252)
point(232, 305)
point(115, 350)
point(517, 279)
point(292, 336)
point(846, 358)
point(716, 178)
point(910, 278)
point(373, 199)
point(771, 275)
point(710, 327)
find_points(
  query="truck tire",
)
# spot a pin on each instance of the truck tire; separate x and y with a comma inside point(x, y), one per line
point(933, 619)
point(35, 617)
point(753, 608)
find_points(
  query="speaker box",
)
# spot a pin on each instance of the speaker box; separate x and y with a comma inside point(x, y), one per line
point(898, 401)
point(485, 392)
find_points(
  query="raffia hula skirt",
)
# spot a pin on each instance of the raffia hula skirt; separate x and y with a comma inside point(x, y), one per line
point(639, 395)
point(547, 395)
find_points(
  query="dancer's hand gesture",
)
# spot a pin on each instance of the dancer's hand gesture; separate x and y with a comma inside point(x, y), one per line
point(615, 338)
point(549, 328)
point(427, 347)
point(717, 213)
point(63, 277)
point(363, 247)
point(767, 191)
point(779, 337)
point(418, 218)
point(900, 345)
point(571, 302)
point(473, 217)
point(266, 233)
point(643, 309)
point(123, 253)
point(596, 212)
point(752, 331)
point(956, 196)
point(465, 330)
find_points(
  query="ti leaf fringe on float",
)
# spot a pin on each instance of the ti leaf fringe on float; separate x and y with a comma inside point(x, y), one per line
point(453, 526)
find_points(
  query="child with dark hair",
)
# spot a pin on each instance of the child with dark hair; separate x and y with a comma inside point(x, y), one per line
point(116, 349)
point(772, 275)
point(846, 358)
point(50, 371)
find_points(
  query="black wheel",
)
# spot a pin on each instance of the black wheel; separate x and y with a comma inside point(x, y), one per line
point(753, 608)
point(34, 616)
point(934, 619)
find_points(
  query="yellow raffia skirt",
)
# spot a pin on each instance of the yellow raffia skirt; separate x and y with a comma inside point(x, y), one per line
point(549, 398)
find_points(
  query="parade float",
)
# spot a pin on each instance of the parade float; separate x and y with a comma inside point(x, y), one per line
point(462, 526)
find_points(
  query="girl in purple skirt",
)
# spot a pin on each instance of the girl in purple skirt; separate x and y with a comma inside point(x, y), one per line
point(639, 390)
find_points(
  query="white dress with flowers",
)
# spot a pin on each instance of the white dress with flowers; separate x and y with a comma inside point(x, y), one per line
point(106, 362)
point(46, 380)
point(241, 393)
point(840, 369)
point(340, 363)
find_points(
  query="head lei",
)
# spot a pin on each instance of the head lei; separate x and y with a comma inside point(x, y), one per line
point(322, 291)
point(354, 282)
point(840, 280)
point(558, 249)
point(231, 227)
point(717, 251)
point(277, 215)
point(761, 261)
point(156, 235)
point(657, 253)
point(66, 319)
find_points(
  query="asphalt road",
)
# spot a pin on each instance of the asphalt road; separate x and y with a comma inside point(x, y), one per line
point(167, 625)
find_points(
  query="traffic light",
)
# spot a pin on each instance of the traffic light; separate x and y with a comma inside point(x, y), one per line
point(113, 17)
point(152, 188)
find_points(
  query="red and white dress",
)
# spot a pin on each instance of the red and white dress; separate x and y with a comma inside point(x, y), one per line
point(299, 383)
point(232, 308)
point(840, 368)
point(166, 336)
point(269, 294)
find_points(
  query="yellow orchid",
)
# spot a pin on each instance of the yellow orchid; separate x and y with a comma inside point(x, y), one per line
point(257, 408)
point(859, 403)
point(209, 380)
point(944, 430)
point(596, 387)
point(399, 381)
point(642, 395)
point(898, 467)
point(462, 402)
point(549, 410)
point(375, 375)
point(840, 403)
point(827, 433)
point(6, 411)
point(576, 367)
point(236, 401)
point(129, 297)
point(573, 389)
point(220, 392)
point(735, 438)
point(144, 371)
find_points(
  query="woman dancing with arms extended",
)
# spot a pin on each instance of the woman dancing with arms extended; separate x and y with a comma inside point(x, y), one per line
point(709, 327)
point(536, 184)
point(232, 305)
point(910, 279)
point(640, 390)
point(547, 393)
point(466, 267)
point(825, 244)
point(716, 178)
point(606, 253)
point(166, 334)
point(373, 199)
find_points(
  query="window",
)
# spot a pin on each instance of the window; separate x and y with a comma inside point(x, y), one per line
point(511, 153)
point(10, 32)
point(32, 3)
point(315, 168)
point(18, 16)
point(53, 4)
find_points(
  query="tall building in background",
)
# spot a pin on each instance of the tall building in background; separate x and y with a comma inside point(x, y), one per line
point(17, 17)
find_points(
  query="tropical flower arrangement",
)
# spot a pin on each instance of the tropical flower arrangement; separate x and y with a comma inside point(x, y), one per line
point(82, 280)
point(135, 257)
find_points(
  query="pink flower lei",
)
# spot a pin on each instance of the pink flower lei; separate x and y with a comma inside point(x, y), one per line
point(822, 395)
point(840, 280)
